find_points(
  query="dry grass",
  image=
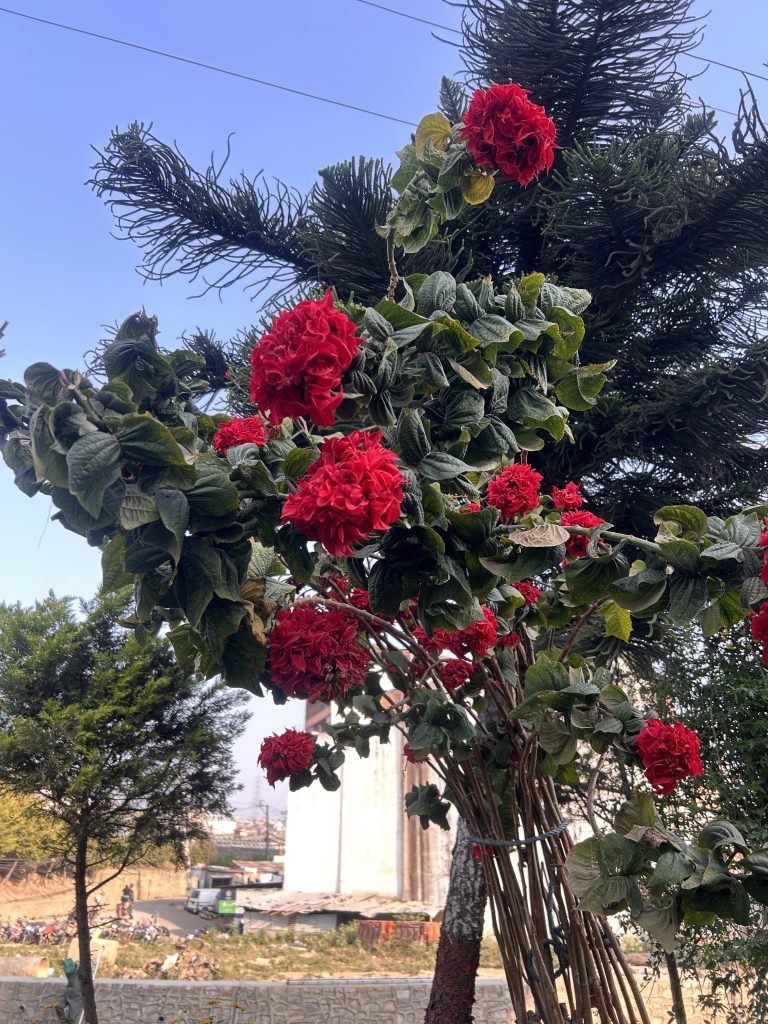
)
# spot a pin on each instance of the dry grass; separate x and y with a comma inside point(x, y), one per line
point(264, 956)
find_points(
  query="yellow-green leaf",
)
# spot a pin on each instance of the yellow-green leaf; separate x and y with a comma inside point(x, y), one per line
point(618, 621)
point(434, 130)
point(476, 188)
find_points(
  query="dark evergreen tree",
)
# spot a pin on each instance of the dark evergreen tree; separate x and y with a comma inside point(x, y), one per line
point(647, 207)
point(124, 751)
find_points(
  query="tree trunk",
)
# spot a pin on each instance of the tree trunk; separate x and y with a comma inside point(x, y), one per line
point(85, 972)
point(458, 953)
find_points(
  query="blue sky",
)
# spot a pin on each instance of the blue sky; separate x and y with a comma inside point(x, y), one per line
point(64, 277)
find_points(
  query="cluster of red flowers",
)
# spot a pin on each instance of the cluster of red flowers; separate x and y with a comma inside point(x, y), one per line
point(353, 489)
point(454, 673)
point(528, 591)
point(314, 654)
point(297, 366)
point(759, 628)
point(505, 131)
point(241, 430)
point(568, 497)
point(471, 506)
point(577, 545)
point(515, 490)
point(286, 755)
point(476, 639)
point(669, 753)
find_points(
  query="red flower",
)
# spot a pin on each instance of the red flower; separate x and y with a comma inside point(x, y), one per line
point(297, 366)
point(477, 851)
point(505, 130)
point(529, 593)
point(567, 497)
point(410, 756)
point(577, 545)
point(243, 430)
point(759, 623)
point(472, 506)
point(476, 639)
point(515, 490)
point(454, 673)
point(353, 489)
point(286, 755)
point(315, 654)
point(508, 640)
point(669, 753)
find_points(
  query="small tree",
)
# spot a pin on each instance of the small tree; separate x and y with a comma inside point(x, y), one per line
point(125, 749)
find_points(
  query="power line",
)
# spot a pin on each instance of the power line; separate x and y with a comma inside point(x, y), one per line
point(458, 32)
point(207, 67)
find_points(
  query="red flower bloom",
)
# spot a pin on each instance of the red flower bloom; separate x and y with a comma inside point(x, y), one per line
point(286, 755)
point(508, 640)
point(567, 497)
point(297, 366)
point(476, 639)
point(505, 130)
point(530, 594)
point(315, 654)
point(241, 430)
point(472, 506)
point(410, 756)
point(669, 753)
point(577, 545)
point(454, 673)
point(353, 489)
point(759, 623)
point(515, 490)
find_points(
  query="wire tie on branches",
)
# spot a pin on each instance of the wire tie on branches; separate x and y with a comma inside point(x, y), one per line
point(518, 844)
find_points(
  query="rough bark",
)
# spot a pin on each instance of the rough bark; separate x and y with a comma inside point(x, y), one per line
point(458, 953)
point(85, 972)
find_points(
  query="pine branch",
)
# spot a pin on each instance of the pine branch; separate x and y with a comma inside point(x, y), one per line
point(187, 222)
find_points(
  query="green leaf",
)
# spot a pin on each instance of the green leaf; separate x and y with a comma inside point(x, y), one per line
point(618, 621)
point(575, 300)
point(687, 597)
point(442, 466)
point(583, 866)
point(711, 619)
point(377, 326)
point(385, 589)
point(409, 166)
point(437, 293)
point(94, 464)
point(173, 509)
point(45, 383)
point(578, 389)
point(529, 288)
point(671, 868)
point(681, 554)
point(425, 802)
point(690, 520)
point(220, 620)
point(530, 407)
point(146, 441)
point(661, 923)
point(753, 591)
point(589, 579)
point(50, 464)
point(718, 834)
point(545, 674)
point(412, 438)
point(641, 591)
point(298, 461)
point(137, 509)
point(639, 810)
point(112, 566)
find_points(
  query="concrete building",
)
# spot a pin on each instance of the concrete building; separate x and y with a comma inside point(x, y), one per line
point(359, 839)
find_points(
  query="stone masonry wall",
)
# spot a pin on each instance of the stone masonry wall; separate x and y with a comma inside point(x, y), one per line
point(385, 1001)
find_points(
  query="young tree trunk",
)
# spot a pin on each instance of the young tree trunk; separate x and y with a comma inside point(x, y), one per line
point(458, 954)
point(85, 972)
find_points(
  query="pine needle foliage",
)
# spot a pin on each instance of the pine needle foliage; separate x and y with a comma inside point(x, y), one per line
point(649, 206)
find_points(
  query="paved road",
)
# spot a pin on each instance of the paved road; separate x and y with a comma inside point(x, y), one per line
point(172, 914)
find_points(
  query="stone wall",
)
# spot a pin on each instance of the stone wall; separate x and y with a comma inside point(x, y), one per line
point(338, 1001)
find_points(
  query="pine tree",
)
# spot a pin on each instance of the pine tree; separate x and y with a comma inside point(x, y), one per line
point(122, 749)
point(647, 207)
